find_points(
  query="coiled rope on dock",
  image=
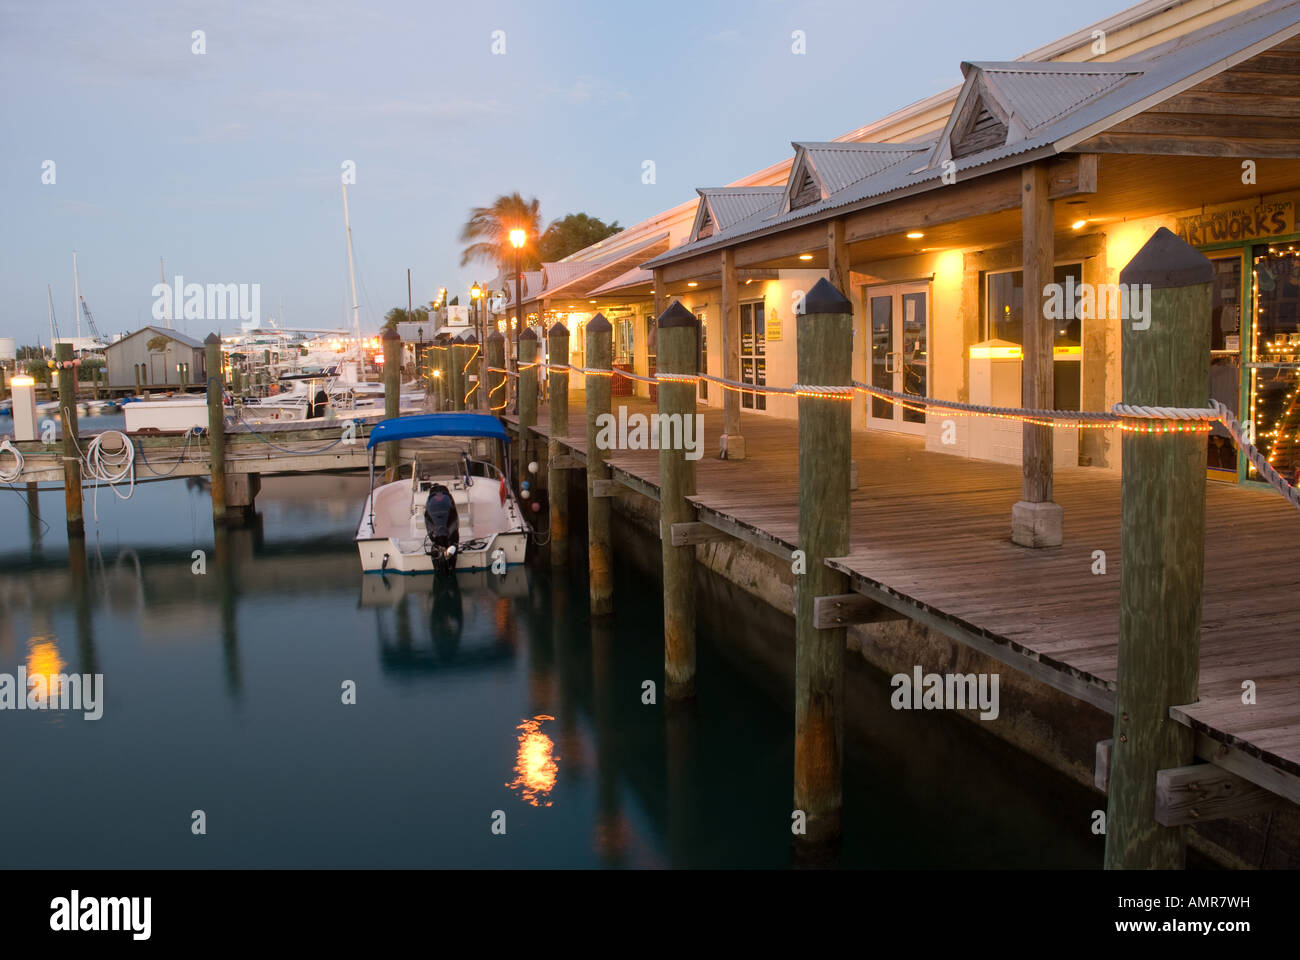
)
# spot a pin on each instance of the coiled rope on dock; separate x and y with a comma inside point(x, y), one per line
point(11, 474)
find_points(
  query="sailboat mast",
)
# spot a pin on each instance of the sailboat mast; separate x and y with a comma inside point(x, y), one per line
point(54, 335)
point(352, 278)
point(76, 293)
point(167, 313)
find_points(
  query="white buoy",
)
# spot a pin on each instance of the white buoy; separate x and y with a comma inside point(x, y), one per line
point(532, 466)
point(525, 494)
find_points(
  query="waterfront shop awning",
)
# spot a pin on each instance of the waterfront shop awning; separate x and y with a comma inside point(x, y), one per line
point(437, 425)
point(578, 279)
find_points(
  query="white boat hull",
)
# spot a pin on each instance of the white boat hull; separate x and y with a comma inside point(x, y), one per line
point(395, 556)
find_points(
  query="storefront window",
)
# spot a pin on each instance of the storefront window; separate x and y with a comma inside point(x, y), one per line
point(753, 353)
point(1005, 318)
point(1275, 397)
point(1225, 360)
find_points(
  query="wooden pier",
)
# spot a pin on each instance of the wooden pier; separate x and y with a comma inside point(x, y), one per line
point(930, 539)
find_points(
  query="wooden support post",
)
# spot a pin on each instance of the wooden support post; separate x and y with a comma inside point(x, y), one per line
point(456, 357)
point(679, 346)
point(557, 481)
point(4, 382)
point(469, 382)
point(71, 455)
point(600, 557)
point(527, 400)
point(216, 427)
point(1165, 362)
point(837, 256)
point(850, 608)
point(824, 338)
point(392, 344)
point(733, 444)
point(484, 378)
point(1035, 520)
point(241, 497)
point(94, 383)
point(496, 357)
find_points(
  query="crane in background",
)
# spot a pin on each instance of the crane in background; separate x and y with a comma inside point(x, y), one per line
point(94, 330)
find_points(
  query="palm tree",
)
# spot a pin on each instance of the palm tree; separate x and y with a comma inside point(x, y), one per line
point(486, 234)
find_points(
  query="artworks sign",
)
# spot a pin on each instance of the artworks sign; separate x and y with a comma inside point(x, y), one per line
point(1239, 223)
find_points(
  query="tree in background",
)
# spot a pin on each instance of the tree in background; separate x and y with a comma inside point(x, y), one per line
point(486, 234)
point(571, 234)
point(400, 315)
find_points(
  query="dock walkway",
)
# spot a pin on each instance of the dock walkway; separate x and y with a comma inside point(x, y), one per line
point(931, 539)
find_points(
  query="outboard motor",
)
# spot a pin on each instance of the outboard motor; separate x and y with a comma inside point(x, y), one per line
point(442, 524)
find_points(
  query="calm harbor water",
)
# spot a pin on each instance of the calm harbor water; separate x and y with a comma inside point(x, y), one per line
point(224, 689)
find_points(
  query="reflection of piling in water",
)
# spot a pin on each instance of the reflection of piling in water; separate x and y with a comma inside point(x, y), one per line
point(80, 576)
point(34, 517)
point(541, 655)
point(680, 731)
point(227, 541)
point(446, 617)
point(566, 659)
point(611, 831)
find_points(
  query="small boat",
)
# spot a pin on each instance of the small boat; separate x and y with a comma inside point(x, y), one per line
point(456, 511)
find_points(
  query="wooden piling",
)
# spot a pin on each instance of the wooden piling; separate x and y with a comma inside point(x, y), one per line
point(600, 565)
point(825, 352)
point(1162, 535)
point(216, 426)
point(469, 383)
point(527, 399)
point(496, 358)
point(71, 455)
point(557, 481)
point(391, 342)
point(679, 333)
point(456, 357)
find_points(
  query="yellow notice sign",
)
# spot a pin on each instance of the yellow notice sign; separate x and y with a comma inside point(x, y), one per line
point(772, 329)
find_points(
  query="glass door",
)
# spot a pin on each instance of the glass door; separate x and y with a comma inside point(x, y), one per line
point(1225, 361)
point(1275, 366)
point(753, 353)
point(899, 357)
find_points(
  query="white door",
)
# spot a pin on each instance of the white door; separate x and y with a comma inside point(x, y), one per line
point(898, 318)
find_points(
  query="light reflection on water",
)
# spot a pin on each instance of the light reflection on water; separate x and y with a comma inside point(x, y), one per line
point(222, 691)
point(536, 765)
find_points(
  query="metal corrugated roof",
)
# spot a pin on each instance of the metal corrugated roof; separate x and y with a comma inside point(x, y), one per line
point(839, 165)
point(1037, 94)
point(730, 205)
point(631, 278)
point(1152, 78)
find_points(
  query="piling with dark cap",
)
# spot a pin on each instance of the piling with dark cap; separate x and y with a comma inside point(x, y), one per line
point(527, 399)
point(67, 372)
point(1165, 363)
point(600, 557)
point(392, 344)
point(216, 426)
point(557, 481)
point(678, 352)
point(824, 337)
point(496, 362)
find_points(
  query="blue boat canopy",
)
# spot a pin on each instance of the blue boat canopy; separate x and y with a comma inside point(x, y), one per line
point(437, 425)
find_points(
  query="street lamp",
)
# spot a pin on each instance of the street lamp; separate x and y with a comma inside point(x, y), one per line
point(476, 299)
point(517, 238)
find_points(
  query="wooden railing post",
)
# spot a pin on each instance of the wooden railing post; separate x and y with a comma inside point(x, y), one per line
point(469, 382)
point(1165, 362)
point(824, 338)
point(457, 355)
point(600, 559)
point(527, 368)
point(558, 479)
point(71, 456)
point(678, 351)
point(216, 426)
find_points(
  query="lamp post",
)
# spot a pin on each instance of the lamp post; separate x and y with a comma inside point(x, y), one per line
point(517, 238)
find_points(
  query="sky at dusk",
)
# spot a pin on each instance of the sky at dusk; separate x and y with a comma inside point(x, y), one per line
point(227, 164)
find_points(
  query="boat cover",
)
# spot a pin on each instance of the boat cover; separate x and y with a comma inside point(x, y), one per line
point(437, 425)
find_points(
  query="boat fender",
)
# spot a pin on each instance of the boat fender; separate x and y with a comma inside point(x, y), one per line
point(503, 491)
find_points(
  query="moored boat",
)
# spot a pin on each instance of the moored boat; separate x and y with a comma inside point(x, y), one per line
point(455, 511)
